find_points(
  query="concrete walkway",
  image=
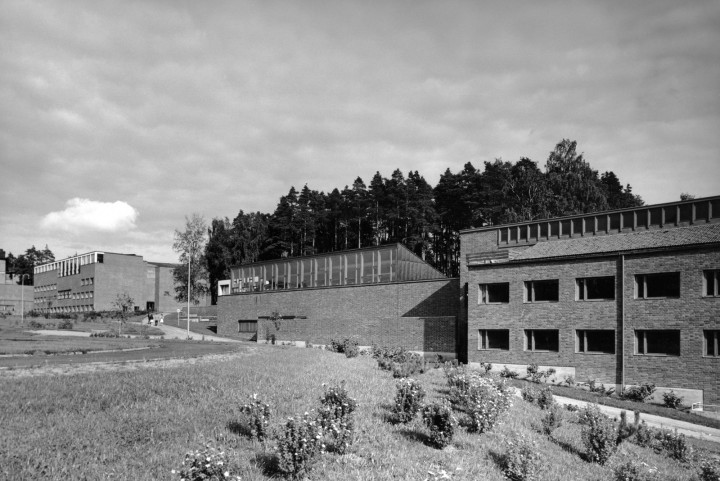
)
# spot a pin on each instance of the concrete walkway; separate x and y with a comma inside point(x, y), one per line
point(688, 429)
point(177, 333)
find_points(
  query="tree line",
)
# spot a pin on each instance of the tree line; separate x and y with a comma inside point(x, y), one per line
point(408, 210)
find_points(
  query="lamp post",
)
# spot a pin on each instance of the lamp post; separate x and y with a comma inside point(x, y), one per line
point(22, 297)
point(190, 246)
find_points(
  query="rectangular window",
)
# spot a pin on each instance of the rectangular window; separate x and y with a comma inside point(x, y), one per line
point(494, 293)
point(711, 280)
point(542, 291)
point(712, 343)
point(494, 339)
point(665, 284)
point(542, 340)
point(595, 288)
point(595, 341)
point(247, 326)
point(658, 342)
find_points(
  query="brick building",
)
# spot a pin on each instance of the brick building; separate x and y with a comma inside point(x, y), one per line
point(14, 297)
point(380, 295)
point(622, 297)
point(92, 282)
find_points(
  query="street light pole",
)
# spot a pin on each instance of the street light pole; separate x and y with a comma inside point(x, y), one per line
point(188, 296)
point(22, 297)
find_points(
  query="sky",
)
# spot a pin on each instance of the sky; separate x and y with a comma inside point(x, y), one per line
point(119, 119)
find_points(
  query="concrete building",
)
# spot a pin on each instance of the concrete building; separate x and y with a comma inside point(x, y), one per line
point(92, 282)
point(14, 298)
point(623, 297)
point(380, 295)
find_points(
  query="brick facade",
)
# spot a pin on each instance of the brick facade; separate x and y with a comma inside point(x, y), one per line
point(418, 315)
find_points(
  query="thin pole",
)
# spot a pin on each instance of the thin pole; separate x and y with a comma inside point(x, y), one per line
point(22, 297)
point(188, 299)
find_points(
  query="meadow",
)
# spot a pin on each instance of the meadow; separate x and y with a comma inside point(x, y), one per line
point(139, 425)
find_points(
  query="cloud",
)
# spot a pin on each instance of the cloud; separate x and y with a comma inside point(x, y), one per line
point(86, 214)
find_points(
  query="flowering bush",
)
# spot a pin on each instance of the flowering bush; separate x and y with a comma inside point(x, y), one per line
point(439, 419)
point(486, 401)
point(408, 400)
point(674, 444)
point(205, 464)
point(708, 469)
point(534, 374)
point(638, 393)
point(633, 470)
point(257, 418)
point(522, 462)
point(298, 444)
point(545, 398)
point(529, 394)
point(552, 420)
point(509, 373)
point(598, 434)
point(335, 417)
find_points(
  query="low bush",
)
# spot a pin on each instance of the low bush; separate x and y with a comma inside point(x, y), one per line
point(400, 362)
point(415, 364)
point(600, 389)
point(672, 400)
point(529, 394)
point(439, 419)
point(633, 470)
point(32, 324)
point(598, 434)
point(536, 375)
point(545, 398)
point(522, 461)
point(626, 430)
point(552, 419)
point(347, 346)
point(638, 393)
point(257, 418)
point(708, 469)
point(486, 402)
point(206, 464)
point(105, 334)
point(509, 373)
point(408, 400)
point(298, 445)
point(673, 444)
point(335, 417)
point(65, 324)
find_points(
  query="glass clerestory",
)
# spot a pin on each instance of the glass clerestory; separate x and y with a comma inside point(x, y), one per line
point(374, 265)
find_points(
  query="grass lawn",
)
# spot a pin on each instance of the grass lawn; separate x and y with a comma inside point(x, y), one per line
point(138, 425)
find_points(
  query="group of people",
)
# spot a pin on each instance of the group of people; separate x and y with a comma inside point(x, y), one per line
point(151, 317)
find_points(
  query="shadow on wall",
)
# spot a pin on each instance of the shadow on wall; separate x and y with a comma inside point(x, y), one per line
point(445, 301)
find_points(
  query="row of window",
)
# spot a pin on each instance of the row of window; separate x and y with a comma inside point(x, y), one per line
point(75, 295)
point(647, 286)
point(659, 342)
point(49, 287)
point(87, 281)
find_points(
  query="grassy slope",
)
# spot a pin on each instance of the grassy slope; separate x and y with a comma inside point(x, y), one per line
point(139, 425)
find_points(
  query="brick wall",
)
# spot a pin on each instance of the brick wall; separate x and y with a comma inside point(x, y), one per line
point(418, 315)
point(691, 314)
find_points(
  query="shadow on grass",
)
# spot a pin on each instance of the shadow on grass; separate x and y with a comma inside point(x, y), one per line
point(569, 448)
point(239, 428)
point(498, 458)
point(268, 464)
point(414, 435)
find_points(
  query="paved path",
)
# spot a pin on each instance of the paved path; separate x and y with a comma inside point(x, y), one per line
point(688, 429)
point(61, 332)
point(169, 333)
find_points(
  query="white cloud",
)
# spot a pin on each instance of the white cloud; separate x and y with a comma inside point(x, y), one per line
point(86, 214)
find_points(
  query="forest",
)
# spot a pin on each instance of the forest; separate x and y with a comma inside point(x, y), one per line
point(406, 209)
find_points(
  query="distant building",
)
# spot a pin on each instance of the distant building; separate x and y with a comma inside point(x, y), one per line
point(14, 298)
point(92, 282)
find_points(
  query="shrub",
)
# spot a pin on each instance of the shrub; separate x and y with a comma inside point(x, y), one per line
point(638, 393)
point(105, 334)
point(523, 461)
point(408, 400)
point(350, 348)
point(632, 470)
point(486, 366)
point(298, 445)
point(599, 389)
point(625, 430)
point(672, 400)
point(257, 418)
point(569, 380)
point(415, 364)
point(485, 401)
point(508, 373)
point(571, 407)
point(598, 435)
point(529, 394)
point(205, 464)
point(708, 469)
point(439, 419)
point(674, 444)
point(65, 324)
point(545, 398)
point(335, 417)
point(34, 324)
point(400, 362)
point(552, 420)
point(534, 374)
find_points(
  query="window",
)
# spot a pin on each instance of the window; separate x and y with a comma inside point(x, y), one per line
point(595, 341)
point(247, 326)
point(542, 340)
point(658, 342)
point(712, 343)
point(666, 284)
point(711, 279)
point(494, 293)
point(595, 288)
point(541, 291)
point(494, 339)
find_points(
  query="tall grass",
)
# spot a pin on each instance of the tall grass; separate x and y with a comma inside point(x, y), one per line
point(139, 425)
